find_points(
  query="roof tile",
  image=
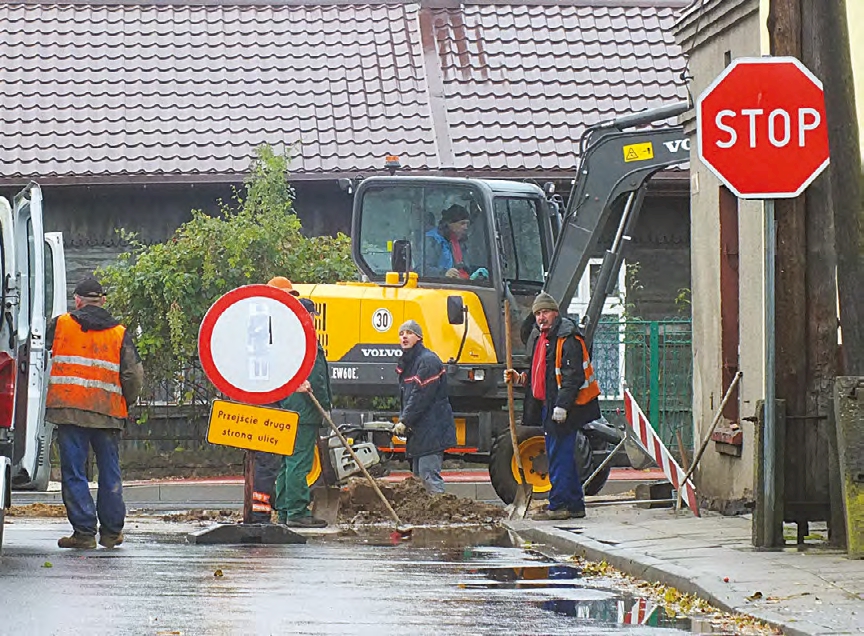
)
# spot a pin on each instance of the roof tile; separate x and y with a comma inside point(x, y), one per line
point(193, 89)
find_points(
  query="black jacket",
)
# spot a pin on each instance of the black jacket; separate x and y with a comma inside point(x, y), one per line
point(572, 377)
point(425, 406)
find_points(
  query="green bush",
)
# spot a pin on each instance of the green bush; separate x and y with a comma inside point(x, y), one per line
point(161, 292)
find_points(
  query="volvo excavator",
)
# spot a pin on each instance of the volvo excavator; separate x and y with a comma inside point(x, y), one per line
point(519, 241)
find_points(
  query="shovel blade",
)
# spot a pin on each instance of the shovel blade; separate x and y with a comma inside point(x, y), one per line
point(325, 504)
point(524, 494)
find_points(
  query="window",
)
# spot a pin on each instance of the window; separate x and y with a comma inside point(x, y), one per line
point(416, 212)
point(608, 354)
point(49, 282)
point(518, 224)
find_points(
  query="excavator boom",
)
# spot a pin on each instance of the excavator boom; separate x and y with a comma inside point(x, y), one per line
point(615, 164)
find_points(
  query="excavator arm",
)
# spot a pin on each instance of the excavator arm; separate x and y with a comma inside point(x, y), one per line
point(616, 163)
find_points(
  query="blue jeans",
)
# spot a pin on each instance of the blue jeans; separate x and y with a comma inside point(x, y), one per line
point(74, 443)
point(566, 486)
point(428, 468)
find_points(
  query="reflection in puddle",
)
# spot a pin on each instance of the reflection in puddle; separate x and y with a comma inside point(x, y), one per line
point(561, 590)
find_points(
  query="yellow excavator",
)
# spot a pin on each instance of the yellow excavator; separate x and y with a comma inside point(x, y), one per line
point(518, 241)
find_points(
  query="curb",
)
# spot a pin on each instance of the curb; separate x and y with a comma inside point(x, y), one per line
point(567, 540)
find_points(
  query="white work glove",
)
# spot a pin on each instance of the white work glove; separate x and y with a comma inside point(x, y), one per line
point(559, 414)
point(400, 429)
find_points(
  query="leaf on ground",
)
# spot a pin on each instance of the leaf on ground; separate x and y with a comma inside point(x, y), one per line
point(47, 564)
point(218, 573)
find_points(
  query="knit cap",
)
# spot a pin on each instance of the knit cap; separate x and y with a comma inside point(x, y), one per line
point(544, 301)
point(412, 326)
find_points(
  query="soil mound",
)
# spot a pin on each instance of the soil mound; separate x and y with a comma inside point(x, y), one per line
point(37, 510)
point(358, 504)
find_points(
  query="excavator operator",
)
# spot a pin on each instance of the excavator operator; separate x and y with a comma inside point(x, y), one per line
point(445, 247)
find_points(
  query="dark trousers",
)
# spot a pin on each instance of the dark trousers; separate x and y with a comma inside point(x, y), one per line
point(267, 466)
point(74, 443)
point(566, 485)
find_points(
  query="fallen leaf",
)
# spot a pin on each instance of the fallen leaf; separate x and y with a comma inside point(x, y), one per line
point(755, 596)
point(218, 573)
point(47, 564)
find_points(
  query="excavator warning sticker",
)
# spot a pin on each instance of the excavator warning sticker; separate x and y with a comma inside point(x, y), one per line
point(638, 152)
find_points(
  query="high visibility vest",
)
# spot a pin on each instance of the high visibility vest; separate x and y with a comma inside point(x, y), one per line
point(85, 369)
point(590, 389)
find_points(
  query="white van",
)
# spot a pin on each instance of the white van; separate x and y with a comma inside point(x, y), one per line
point(33, 284)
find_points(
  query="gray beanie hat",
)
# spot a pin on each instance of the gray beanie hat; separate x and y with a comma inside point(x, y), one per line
point(544, 301)
point(411, 325)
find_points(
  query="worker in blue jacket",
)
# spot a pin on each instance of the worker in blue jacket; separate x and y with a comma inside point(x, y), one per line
point(426, 417)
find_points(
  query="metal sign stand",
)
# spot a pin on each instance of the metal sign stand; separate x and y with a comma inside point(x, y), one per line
point(770, 408)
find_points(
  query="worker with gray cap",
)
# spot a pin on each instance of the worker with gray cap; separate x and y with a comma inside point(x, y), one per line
point(426, 418)
point(561, 394)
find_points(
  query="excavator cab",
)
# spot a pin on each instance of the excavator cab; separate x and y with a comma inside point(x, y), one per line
point(490, 238)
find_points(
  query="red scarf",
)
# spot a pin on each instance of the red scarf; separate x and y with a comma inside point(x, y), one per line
point(457, 256)
point(538, 368)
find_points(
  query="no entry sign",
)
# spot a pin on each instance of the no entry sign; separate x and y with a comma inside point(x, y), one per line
point(761, 127)
point(257, 344)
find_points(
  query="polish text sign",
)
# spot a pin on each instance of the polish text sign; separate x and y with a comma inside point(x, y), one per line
point(257, 344)
point(255, 428)
point(762, 128)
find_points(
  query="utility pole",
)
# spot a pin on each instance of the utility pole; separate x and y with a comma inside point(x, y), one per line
point(833, 237)
point(833, 61)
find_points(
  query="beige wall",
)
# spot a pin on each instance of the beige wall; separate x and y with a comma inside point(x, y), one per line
point(855, 10)
point(735, 28)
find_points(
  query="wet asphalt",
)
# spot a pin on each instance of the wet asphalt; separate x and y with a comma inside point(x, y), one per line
point(156, 583)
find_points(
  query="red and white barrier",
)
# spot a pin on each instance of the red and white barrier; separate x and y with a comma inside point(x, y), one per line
point(642, 613)
point(649, 439)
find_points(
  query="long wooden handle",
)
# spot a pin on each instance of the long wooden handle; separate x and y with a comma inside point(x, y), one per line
point(508, 347)
point(356, 459)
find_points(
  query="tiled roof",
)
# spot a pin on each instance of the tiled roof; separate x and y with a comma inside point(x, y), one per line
point(109, 91)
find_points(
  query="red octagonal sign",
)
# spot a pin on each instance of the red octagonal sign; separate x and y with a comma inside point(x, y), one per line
point(761, 127)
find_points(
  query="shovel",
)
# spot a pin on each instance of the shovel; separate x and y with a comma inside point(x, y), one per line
point(326, 497)
point(402, 529)
point(524, 490)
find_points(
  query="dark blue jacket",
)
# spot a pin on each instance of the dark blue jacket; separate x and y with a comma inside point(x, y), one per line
point(425, 406)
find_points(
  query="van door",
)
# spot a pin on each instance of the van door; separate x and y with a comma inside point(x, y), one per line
point(8, 353)
point(55, 277)
point(31, 440)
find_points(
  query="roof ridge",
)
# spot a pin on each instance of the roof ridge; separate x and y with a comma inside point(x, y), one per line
point(437, 4)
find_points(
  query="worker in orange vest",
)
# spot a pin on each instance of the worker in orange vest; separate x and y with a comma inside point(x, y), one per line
point(95, 374)
point(267, 465)
point(561, 394)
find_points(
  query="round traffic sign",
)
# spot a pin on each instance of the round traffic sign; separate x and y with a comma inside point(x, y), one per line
point(257, 344)
point(762, 127)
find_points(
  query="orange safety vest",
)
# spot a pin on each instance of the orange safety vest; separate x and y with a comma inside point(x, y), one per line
point(85, 369)
point(590, 389)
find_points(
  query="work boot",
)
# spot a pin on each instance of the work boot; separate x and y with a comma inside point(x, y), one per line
point(552, 515)
point(78, 541)
point(109, 539)
point(577, 514)
point(306, 521)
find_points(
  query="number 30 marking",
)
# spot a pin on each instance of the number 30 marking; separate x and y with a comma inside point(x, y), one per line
point(382, 320)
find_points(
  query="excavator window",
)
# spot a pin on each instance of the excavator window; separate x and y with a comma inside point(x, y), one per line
point(445, 223)
point(517, 220)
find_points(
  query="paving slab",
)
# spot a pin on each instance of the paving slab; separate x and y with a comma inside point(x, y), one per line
point(817, 591)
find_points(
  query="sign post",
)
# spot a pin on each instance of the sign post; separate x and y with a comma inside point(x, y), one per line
point(761, 128)
point(256, 344)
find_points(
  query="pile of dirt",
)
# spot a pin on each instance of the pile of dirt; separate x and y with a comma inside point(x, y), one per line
point(359, 505)
point(37, 510)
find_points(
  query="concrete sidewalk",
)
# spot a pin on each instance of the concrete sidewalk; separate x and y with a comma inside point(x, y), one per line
point(815, 591)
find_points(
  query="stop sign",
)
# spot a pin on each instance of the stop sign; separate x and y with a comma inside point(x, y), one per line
point(762, 129)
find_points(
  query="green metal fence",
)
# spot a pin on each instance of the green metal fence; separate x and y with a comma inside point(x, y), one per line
point(654, 358)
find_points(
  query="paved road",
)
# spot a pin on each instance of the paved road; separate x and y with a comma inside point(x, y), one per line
point(156, 584)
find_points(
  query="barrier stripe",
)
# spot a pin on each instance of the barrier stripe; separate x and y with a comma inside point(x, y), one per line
point(657, 450)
